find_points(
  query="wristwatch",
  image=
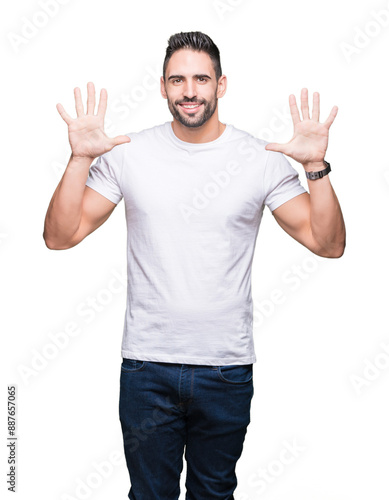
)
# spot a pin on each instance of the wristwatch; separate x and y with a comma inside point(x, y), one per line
point(321, 173)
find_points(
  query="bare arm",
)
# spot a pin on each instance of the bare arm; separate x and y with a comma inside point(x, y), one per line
point(75, 210)
point(315, 220)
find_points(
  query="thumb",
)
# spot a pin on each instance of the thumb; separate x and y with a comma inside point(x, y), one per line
point(275, 146)
point(120, 139)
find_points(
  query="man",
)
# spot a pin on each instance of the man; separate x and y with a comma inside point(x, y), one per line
point(194, 192)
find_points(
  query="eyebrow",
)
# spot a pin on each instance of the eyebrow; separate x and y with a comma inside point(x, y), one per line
point(183, 77)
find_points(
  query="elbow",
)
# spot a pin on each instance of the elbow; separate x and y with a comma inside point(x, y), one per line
point(335, 252)
point(331, 248)
point(49, 244)
point(339, 249)
point(53, 245)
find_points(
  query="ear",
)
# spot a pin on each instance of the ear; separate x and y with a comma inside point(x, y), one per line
point(222, 86)
point(163, 89)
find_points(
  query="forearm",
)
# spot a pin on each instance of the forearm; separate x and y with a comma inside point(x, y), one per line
point(327, 224)
point(64, 212)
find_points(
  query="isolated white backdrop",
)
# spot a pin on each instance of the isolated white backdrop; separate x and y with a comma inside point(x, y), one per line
point(315, 381)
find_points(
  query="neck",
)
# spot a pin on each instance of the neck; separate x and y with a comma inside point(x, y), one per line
point(209, 131)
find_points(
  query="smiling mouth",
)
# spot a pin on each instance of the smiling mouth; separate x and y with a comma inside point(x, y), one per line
point(190, 107)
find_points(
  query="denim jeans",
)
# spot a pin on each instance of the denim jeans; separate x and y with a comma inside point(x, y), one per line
point(166, 408)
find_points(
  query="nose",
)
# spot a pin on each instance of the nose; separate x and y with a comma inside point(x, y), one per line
point(190, 89)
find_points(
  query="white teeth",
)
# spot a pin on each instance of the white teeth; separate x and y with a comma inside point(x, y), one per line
point(190, 106)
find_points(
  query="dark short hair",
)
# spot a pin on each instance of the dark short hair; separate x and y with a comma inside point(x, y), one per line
point(194, 40)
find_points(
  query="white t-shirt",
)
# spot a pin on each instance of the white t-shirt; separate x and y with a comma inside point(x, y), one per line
point(193, 212)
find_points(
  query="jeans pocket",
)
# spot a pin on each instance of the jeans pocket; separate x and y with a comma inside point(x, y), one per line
point(132, 365)
point(235, 374)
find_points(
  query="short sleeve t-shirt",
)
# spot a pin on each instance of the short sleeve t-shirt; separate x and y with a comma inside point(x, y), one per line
point(193, 211)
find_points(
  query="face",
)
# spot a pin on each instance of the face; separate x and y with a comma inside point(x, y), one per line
point(191, 88)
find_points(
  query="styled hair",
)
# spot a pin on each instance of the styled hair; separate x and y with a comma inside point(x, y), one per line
point(194, 40)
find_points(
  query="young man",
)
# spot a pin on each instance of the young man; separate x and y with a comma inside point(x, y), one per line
point(194, 191)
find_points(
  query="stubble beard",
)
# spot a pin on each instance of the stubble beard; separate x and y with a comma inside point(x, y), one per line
point(191, 121)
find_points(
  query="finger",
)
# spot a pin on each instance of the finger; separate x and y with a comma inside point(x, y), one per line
point(304, 104)
point(294, 110)
point(331, 117)
point(120, 139)
point(274, 146)
point(67, 118)
point(91, 102)
point(102, 103)
point(79, 106)
point(316, 106)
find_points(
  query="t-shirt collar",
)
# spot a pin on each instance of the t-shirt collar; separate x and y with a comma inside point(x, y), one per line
point(196, 145)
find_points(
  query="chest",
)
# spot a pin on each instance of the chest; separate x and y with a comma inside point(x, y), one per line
point(192, 189)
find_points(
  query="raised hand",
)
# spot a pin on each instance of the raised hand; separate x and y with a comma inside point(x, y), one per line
point(86, 132)
point(310, 138)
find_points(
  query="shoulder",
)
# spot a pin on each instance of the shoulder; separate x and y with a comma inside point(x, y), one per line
point(143, 138)
point(148, 134)
point(274, 165)
point(248, 145)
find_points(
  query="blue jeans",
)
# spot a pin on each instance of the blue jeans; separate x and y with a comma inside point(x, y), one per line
point(166, 407)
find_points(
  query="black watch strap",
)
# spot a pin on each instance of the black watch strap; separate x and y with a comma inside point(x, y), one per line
point(321, 173)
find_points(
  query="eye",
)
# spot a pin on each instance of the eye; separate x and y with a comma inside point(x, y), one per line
point(177, 80)
point(202, 79)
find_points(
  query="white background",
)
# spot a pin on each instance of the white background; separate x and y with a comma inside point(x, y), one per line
point(315, 381)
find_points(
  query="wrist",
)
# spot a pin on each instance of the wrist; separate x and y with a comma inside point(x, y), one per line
point(314, 166)
point(318, 174)
point(81, 160)
point(79, 165)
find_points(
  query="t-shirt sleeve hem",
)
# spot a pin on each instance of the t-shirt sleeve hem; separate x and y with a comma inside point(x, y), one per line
point(286, 197)
point(104, 192)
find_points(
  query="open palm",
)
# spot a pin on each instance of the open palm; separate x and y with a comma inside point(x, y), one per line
point(86, 132)
point(310, 137)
